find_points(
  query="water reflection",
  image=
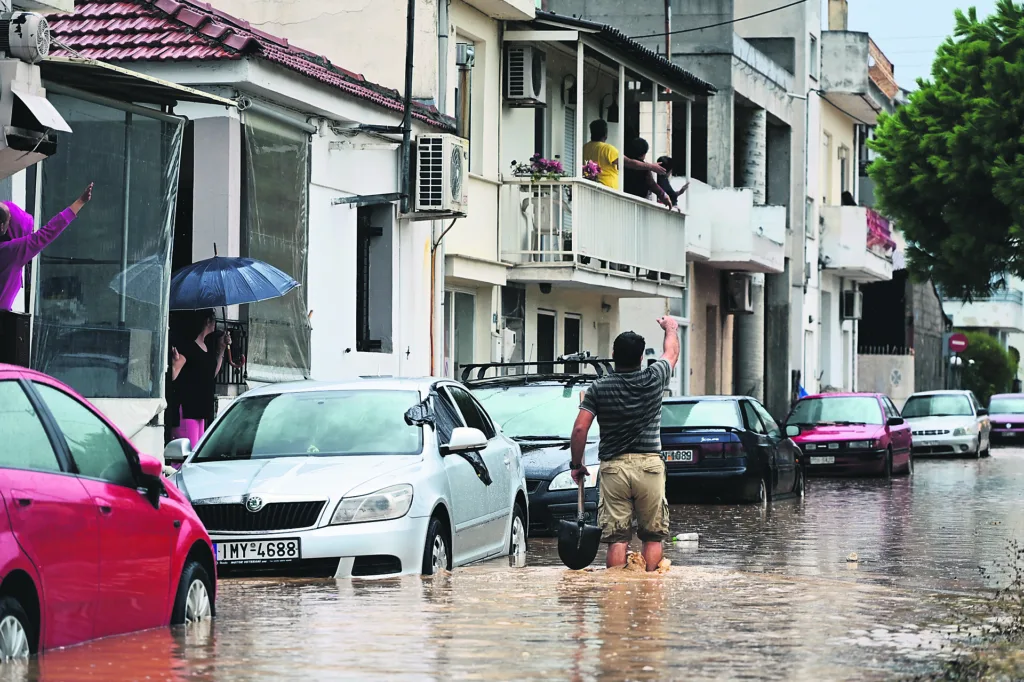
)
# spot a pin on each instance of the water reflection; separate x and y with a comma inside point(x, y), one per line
point(765, 594)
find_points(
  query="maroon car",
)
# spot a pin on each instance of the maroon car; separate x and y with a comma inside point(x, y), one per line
point(1006, 414)
point(851, 433)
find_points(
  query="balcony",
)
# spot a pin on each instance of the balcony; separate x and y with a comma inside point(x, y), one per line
point(726, 229)
point(856, 76)
point(578, 233)
point(1003, 310)
point(515, 10)
point(857, 243)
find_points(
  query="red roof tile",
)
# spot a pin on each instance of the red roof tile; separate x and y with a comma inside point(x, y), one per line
point(188, 30)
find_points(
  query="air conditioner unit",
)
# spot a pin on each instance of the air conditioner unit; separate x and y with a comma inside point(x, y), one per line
point(28, 121)
point(24, 36)
point(442, 162)
point(852, 305)
point(739, 298)
point(526, 76)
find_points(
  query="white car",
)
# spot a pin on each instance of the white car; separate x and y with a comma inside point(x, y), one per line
point(947, 423)
point(369, 478)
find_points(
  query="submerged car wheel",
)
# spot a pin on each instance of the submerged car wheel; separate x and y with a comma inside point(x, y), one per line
point(15, 629)
point(801, 483)
point(193, 602)
point(888, 463)
point(517, 543)
point(763, 494)
point(437, 555)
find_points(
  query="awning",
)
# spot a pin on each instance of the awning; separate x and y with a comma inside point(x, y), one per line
point(43, 112)
point(115, 82)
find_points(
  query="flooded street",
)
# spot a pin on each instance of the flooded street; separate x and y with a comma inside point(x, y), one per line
point(765, 595)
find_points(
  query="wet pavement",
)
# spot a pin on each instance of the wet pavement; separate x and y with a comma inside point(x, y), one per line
point(766, 594)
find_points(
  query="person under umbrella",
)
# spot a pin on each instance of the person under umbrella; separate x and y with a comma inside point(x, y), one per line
point(194, 369)
point(19, 244)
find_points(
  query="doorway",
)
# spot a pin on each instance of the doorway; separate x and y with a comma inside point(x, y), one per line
point(572, 332)
point(545, 341)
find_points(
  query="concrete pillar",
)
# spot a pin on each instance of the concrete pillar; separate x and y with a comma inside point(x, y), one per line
point(217, 193)
point(777, 290)
point(779, 183)
point(748, 345)
point(721, 128)
point(753, 149)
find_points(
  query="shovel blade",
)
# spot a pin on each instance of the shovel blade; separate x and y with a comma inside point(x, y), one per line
point(578, 544)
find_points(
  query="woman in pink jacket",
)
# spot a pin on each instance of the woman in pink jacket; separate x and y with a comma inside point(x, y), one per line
point(19, 244)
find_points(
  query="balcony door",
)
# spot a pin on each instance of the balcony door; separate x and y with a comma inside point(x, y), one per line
point(459, 327)
point(572, 333)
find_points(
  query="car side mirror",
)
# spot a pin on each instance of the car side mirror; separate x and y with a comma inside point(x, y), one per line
point(465, 440)
point(982, 412)
point(151, 466)
point(792, 431)
point(896, 421)
point(177, 451)
point(152, 478)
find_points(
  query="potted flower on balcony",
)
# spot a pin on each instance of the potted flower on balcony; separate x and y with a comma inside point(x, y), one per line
point(539, 169)
point(591, 170)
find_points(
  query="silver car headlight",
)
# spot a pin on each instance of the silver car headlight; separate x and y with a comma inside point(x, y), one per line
point(563, 481)
point(383, 505)
point(963, 431)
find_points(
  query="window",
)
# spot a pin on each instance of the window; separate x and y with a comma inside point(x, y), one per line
point(1006, 405)
point(840, 410)
point(569, 142)
point(472, 413)
point(97, 450)
point(26, 445)
point(374, 277)
point(812, 56)
point(773, 428)
point(534, 409)
point(844, 169)
point(938, 406)
point(315, 424)
point(826, 169)
point(889, 408)
point(751, 418)
point(572, 330)
point(99, 332)
point(465, 58)
point(545, 341)
point(709, 413)
point(275, 186)
point(460, 329)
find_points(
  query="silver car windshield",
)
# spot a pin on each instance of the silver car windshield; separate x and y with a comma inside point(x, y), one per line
point(315, 424)
point(537, 411)
point(937, 406)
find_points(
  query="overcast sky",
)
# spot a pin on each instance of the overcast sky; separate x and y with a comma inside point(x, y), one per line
point(908, 31)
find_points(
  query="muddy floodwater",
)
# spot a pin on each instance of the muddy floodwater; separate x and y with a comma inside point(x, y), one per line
point(764, 595)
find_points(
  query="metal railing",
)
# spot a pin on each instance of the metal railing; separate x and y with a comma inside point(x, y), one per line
point(1000, 296)
point(233, 369)
point(583, 224)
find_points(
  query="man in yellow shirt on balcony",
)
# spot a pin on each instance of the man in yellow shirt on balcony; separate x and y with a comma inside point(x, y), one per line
point(606, 156)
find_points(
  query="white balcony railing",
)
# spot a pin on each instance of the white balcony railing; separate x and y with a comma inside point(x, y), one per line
point(581, 224)
point(857, 243)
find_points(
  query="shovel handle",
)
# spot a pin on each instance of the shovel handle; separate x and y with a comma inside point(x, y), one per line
point(579, 508)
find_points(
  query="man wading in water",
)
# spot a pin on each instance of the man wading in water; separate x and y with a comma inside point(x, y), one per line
point(627, 405)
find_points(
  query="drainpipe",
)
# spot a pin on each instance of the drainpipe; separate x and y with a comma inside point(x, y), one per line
point(442, 56)
point(410, 38)
point(668, 30)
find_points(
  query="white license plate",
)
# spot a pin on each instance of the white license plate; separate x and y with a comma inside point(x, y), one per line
point(258, 551)
point(927, 443)
point(679, 456)
point(823, 460)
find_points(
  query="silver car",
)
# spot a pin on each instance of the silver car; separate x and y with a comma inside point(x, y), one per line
point(947, 423)
point(368, 478)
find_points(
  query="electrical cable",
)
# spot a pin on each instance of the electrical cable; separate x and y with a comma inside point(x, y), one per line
point(721, 23)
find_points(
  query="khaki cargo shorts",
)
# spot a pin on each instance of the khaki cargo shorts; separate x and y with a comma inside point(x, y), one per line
point(633, 487)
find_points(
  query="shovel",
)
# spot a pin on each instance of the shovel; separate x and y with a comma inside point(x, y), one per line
point(578, 542)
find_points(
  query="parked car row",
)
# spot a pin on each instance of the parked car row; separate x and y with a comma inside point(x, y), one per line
point(377, 477)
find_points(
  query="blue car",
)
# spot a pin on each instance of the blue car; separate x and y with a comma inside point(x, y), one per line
point(728, 447)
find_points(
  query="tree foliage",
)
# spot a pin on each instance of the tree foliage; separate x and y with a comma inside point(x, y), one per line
point(951, 161)
point(987, 367)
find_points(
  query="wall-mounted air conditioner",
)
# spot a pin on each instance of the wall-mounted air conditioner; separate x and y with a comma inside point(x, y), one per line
point(526, 76)
point(28, 122)
point(739, 298)
point(442, 162)
point(852, 305)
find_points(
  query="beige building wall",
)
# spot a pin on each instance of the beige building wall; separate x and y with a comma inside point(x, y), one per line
point(837, 139)
point(710, 334)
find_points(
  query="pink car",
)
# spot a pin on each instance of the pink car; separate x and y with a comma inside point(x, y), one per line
point(851, 433)
point(93, 540)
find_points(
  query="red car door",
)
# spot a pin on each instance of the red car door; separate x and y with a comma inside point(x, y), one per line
point(135, 538)
point(52, 517)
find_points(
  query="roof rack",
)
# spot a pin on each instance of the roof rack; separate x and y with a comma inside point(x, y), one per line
point(601, 366)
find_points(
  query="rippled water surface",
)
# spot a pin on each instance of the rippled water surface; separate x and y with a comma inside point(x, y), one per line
point(764, 595)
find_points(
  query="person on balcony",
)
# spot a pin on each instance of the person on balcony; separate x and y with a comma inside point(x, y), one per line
point(641, 183)
point(194, 368)
point(606, 156)
point(663, 181)
point(19, 244)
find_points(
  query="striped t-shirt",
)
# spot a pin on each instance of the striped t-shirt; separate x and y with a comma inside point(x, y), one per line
point(628, 409)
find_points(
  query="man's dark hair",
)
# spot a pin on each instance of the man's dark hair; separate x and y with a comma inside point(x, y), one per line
point(666, 163)
point(599, 130)
point(637, 148)
point(628, 351)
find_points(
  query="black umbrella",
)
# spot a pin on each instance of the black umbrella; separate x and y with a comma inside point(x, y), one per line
point(577, 541)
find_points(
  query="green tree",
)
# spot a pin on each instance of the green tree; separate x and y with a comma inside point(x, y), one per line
point(987, 367)
point(951, 161)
